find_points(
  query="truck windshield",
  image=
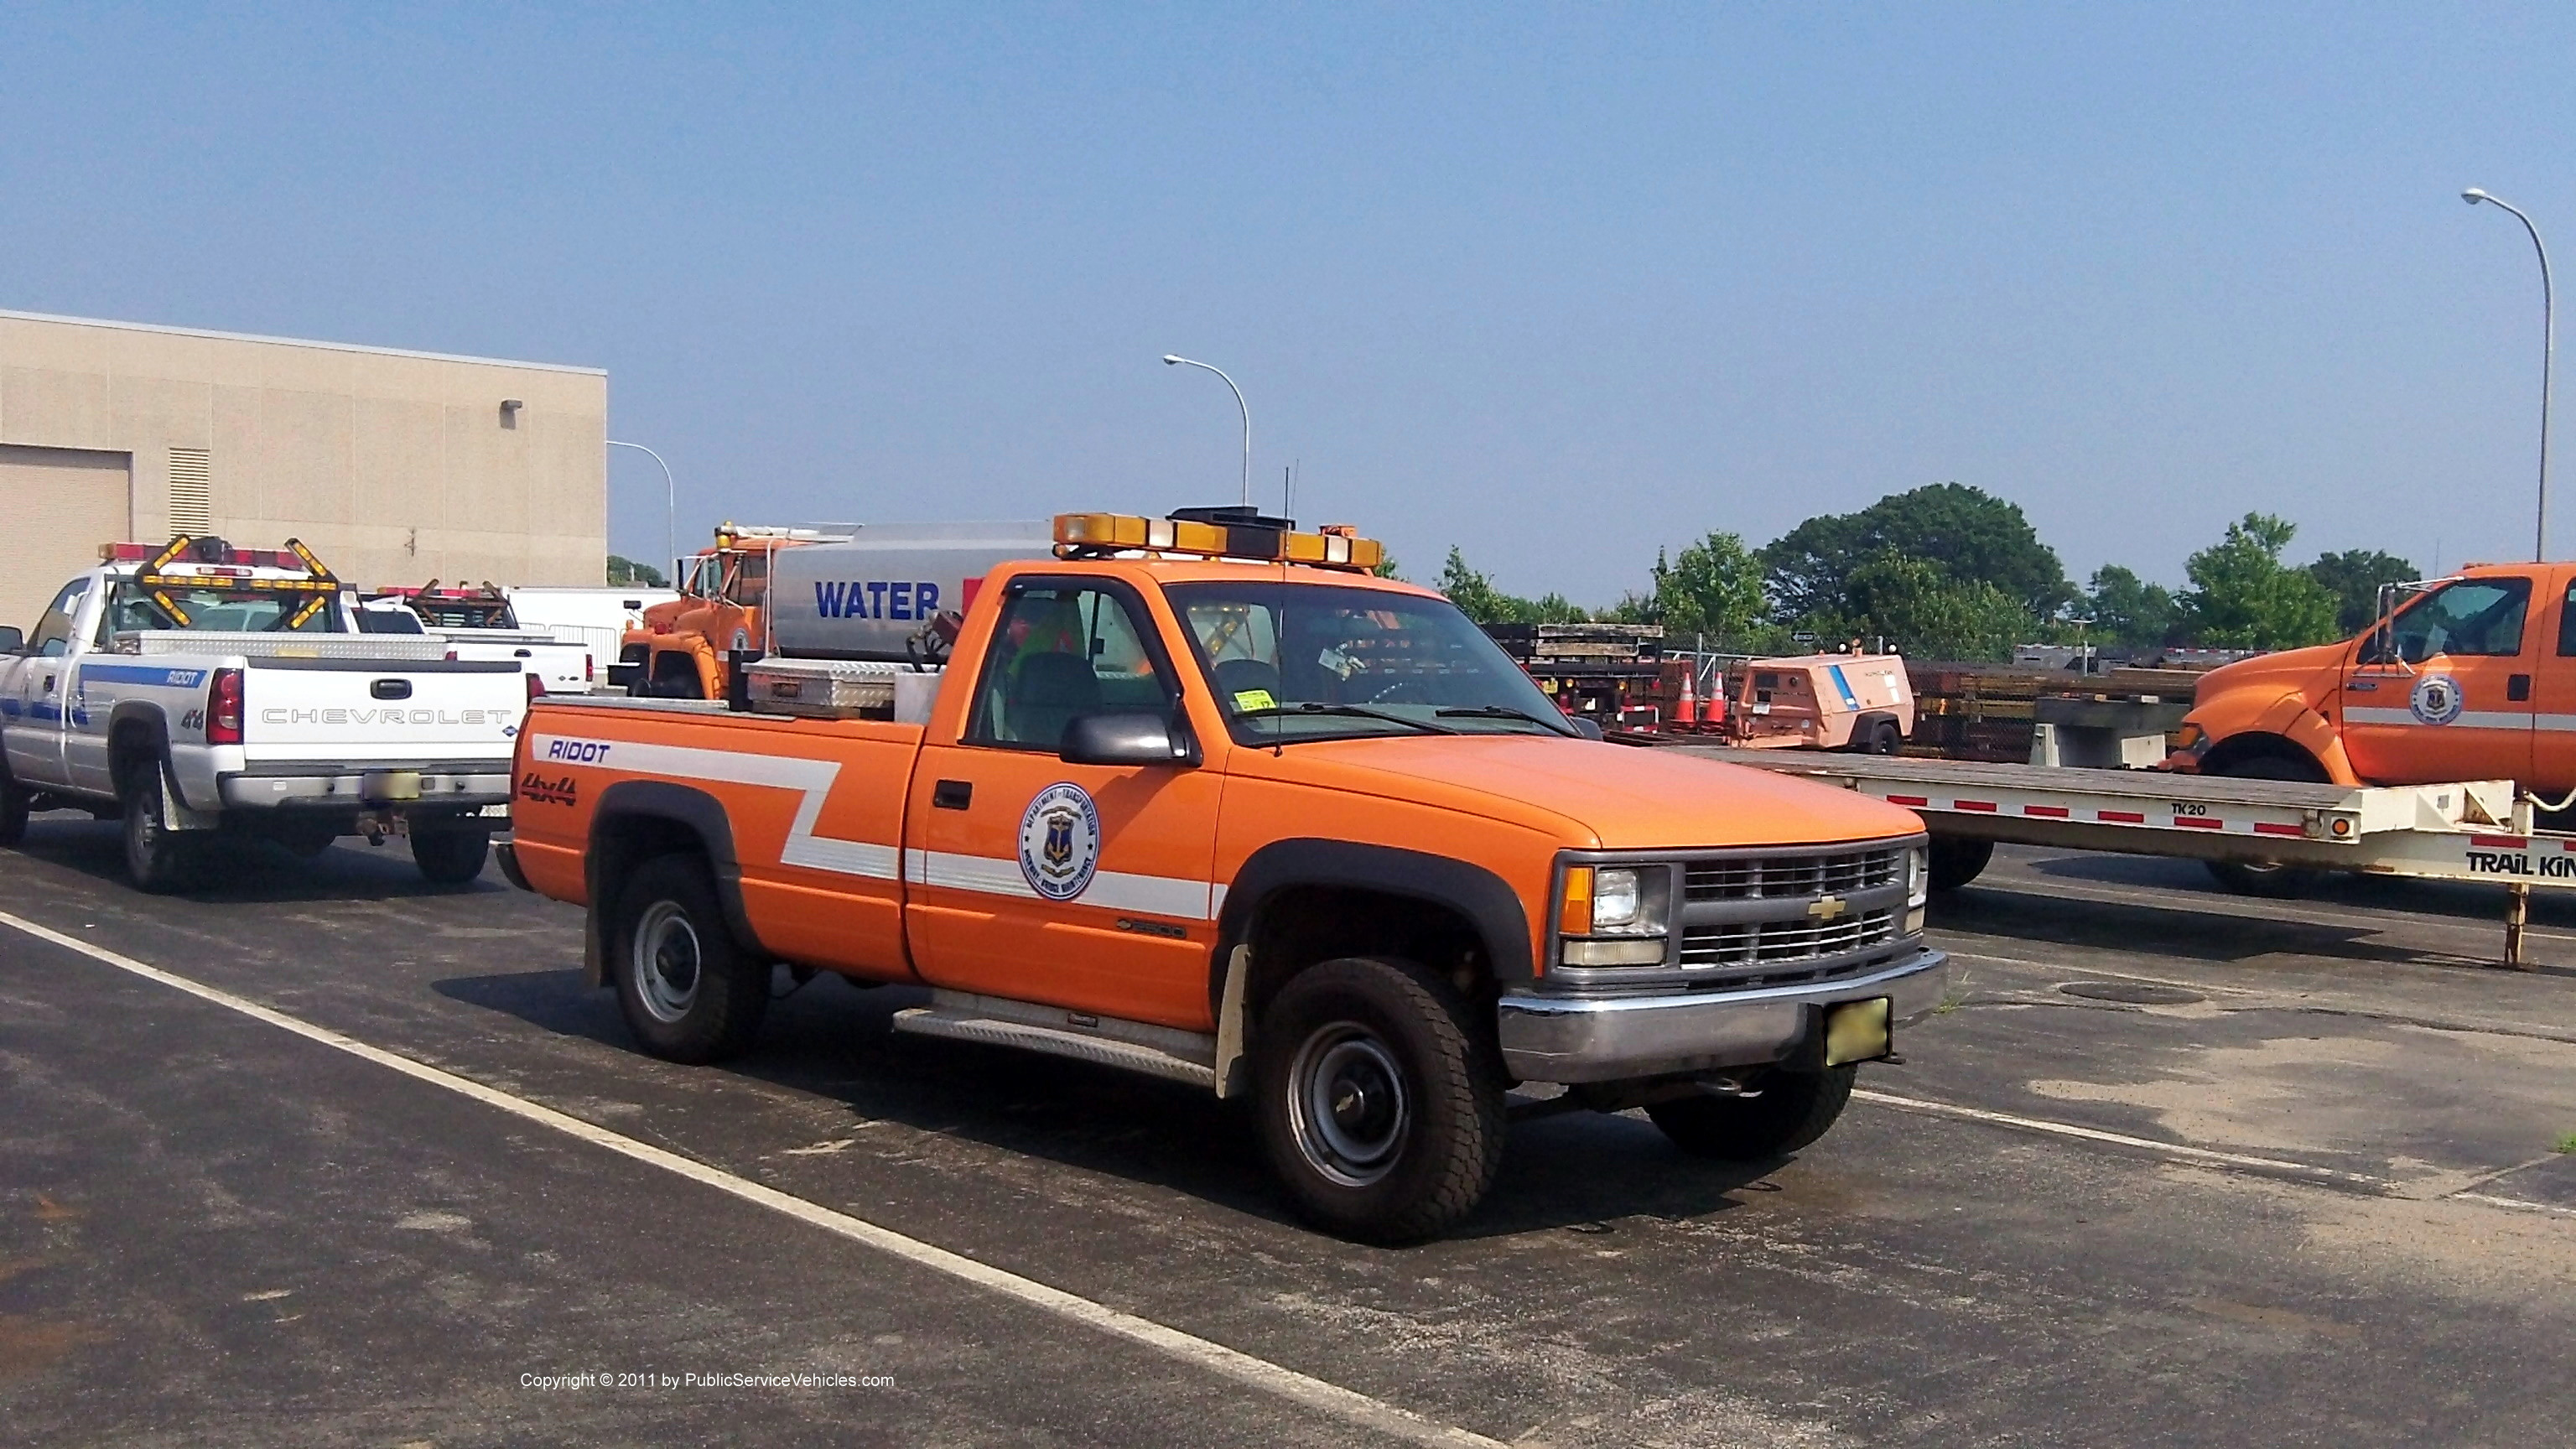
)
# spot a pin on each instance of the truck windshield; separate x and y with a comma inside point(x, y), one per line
point(1292, 662)
point(234, 611)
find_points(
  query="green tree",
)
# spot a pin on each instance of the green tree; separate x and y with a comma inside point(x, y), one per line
point(1971, 535)
point(1713, 587)
point(2354, 577)
point(628, 571)
point(2121, 608)
point(1477, 598)
point(2243, 597)
point(1922, 611)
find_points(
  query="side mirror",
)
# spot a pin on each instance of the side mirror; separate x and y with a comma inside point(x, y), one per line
point(1590, 729)
point(1124, 739)
point(13, 640)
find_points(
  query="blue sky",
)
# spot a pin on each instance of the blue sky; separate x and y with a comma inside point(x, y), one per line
point(1555, 285)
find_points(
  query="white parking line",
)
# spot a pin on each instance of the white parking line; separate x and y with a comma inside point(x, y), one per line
point(2197, 1156)
point(1313, 1393)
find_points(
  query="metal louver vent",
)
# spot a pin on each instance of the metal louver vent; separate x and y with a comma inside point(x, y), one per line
point(191, 504)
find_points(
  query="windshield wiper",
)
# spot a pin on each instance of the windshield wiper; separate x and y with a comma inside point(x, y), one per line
point(1358, 710)
point(1502, 711)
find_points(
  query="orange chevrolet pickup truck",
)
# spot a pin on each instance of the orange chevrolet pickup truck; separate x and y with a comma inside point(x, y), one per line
point(1201, 797)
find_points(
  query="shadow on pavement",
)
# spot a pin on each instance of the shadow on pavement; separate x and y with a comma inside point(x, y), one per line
point(833, 1042)
point(249, 872)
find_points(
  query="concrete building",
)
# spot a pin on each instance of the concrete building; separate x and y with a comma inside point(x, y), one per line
point(396, 467)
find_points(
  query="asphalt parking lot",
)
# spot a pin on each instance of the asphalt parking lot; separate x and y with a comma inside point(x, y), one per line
point(2175, 1167)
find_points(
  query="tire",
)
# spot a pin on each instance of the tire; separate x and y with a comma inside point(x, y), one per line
point(159, 859)
point(2270, 880)
point(1955, 862)
point(1882, 738)
point(1381, 1105)
point(675, 676)
point(450, 857)
point(689, 992)
point(1795, 1109)
point(15, 805)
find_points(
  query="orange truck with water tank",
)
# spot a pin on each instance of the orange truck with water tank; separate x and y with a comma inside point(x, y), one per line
point(1203, 798)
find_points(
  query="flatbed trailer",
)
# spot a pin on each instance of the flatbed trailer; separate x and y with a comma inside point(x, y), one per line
point(2475, 830)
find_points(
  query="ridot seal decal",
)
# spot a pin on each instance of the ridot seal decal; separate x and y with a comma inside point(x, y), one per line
point(1060, 842)
point(2436, 699)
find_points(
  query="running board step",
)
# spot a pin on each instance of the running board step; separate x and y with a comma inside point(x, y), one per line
point(1157, 1051)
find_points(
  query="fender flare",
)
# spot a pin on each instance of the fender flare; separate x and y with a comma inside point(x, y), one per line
point(154, 719)
point(693, 810)
point(1488, 903)
point(1866, 723)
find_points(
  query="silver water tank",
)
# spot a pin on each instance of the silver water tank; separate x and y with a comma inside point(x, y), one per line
point(871, 597)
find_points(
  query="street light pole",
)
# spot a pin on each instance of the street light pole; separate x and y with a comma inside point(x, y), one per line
point(2548, 354)
point(1171, 361)
point(670, 507)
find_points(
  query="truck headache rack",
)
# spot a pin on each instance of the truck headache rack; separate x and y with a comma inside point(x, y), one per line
point(2476, 830)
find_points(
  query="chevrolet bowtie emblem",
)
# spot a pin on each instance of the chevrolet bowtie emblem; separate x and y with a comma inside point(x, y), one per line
point(1827, 907)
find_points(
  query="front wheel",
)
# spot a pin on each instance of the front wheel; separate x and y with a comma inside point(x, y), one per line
point(449, 857)
point(1792, 1111)
point(1381, 1106)
point(159, 859)
point(1956, 861)
point(688, 990)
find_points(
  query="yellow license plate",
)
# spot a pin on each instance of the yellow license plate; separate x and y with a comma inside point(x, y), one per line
point(1857, 1031)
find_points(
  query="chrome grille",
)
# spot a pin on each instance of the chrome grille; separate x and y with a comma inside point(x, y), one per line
point(1761, 943)
point(1763, 877)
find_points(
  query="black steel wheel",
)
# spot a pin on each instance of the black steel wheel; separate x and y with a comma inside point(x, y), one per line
point(1792, 1111)
point(1381, 1103)
point(688, 990)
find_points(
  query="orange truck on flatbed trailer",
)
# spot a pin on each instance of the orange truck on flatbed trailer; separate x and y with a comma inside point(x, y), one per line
point(1200, 797)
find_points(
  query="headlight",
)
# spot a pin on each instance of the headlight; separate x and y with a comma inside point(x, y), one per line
point(1629, 901)
point(1615, 900)
point(1918, 876)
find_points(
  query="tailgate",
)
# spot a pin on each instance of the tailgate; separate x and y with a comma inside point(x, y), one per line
point(382, 711)
point(564, 667)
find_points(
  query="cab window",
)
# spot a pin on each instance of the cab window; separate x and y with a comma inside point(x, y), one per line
point(2567, 624)
point(2474, 617)
point(747, 583)
point(1060, 652)
point(54, 631)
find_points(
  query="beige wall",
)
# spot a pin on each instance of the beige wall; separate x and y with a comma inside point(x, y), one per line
point(396, 467)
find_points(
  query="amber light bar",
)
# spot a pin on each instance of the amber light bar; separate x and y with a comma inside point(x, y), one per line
point(1334, 546)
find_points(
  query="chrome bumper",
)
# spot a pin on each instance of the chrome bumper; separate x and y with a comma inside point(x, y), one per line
point(366, 790)
point(1606, 1039)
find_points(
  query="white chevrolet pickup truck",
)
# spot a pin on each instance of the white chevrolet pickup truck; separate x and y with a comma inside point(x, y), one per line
point(203, 694)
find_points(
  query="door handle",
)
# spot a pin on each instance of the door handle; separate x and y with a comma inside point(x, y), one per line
point(952, 794)
point(2517, 688)
point(2362, 686)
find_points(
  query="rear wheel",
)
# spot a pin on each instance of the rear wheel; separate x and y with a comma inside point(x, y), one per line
point(2271, 879)
point(1381, 1106)
point(449, 856)
point(1793, 1110)
point(688, 990)
point(158, 858)
point(1955, 862)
